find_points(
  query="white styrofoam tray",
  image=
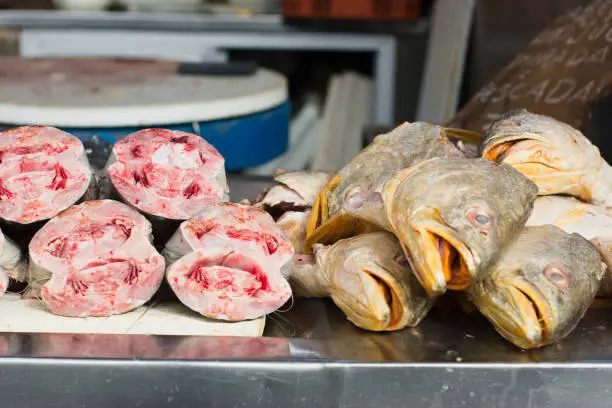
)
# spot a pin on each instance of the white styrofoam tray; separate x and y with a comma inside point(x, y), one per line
point(30, 316)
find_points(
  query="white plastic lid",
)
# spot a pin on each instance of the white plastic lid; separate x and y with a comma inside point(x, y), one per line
point(103, 92)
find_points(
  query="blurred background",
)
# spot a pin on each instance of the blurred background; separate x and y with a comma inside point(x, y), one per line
point(348, 69)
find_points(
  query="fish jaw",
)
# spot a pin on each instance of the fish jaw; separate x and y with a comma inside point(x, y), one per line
point(518, 311)
point(364, 299)
point(528, 154)
point(439, 258)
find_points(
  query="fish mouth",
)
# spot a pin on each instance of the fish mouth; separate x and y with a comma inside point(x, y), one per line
point(529, 155)
point(391, 314)
point(442, 260)
point(376, 307)
point(520, 313)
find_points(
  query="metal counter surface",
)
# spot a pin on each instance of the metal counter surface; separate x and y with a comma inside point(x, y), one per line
point(311, 356)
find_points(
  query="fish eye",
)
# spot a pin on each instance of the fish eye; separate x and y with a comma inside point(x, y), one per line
point(403, 261)
point(557, 277)
point(479, 218)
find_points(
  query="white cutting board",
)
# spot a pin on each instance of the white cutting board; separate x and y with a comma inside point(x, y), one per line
point(30, 316)
point(106, 92)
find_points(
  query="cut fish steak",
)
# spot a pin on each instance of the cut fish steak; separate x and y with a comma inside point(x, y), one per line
point(95, 259)
point(235, 226)
point(224, 284)
point(43, 171)
point(229, 263)
point(170, 174)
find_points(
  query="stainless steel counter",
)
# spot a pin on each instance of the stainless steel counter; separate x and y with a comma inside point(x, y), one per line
point(311, 356)
point(322, 361)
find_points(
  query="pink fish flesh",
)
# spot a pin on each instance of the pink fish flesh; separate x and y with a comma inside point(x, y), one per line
point(223, 284)
point(170, 174)
point(229, 262)
point(95, 259)
point(43, 171)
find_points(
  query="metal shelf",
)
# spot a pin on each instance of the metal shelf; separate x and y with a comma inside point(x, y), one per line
point(166, 35)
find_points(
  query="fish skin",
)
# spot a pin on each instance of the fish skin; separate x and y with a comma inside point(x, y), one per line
point(447, 196)
point(307, 184)
point(351, 203)
point(557, 157)
point(369, 278)
point(530, 266)
point(574, 216)
point(291, 199)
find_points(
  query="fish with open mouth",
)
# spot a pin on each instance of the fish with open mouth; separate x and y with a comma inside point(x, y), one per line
point(290, 201)
point(541, 286)
point(454, 215)
point(368, 277)
point(554, 155)
point(351, 202)
point(574, 216)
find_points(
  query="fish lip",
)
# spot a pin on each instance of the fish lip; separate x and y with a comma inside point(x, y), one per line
point(510, 138)
point(376, 318)
point(436, 283)
point(522, 315)
point(497, 152)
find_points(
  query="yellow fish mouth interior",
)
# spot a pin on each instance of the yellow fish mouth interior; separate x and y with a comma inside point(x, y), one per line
point(378, 307)
point(523, 316)
point(445, 260)
point(391, 299)
point(528, 156)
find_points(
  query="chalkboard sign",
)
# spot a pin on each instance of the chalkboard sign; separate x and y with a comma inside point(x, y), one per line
point(562, 73)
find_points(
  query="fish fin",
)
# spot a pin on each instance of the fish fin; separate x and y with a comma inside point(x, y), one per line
point(338, 227)
point(279, 172)
point(465, 135)
point(320, 209)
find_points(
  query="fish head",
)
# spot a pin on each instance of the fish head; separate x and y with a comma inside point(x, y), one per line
point(351, 203)
point(370, 279)
point(454, 215)
point(551, 153)
point(541, 287)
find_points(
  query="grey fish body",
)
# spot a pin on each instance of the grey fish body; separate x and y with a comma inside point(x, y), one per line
point(541, 286)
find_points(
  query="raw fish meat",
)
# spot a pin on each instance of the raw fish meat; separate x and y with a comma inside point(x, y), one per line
point(169, 174)
point(43, 171)
point(230, 262)
point(95, 259)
